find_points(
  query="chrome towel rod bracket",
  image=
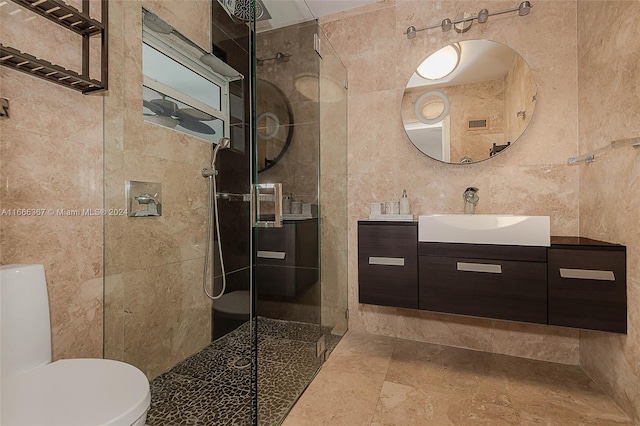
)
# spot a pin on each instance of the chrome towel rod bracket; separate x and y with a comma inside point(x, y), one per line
point(590, 157)
point(466, 20)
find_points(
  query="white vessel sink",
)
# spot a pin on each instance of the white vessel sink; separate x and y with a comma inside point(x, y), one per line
point(485, 229)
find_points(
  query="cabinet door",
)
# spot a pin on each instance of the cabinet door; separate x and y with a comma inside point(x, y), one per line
point(388, 264)
point(587, 289)
point(287, 258)
point(499, 289)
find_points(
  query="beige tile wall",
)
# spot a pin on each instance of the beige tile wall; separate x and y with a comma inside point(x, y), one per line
point(156, 313)
point(51, 153)
point(529, 178)
point(609, 65)
point(518, 94)
point(51, 158)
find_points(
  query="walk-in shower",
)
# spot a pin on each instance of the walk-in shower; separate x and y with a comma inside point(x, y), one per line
point(274, 301)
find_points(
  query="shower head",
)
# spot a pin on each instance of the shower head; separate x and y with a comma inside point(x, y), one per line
point(280, 57)
point(246, 10)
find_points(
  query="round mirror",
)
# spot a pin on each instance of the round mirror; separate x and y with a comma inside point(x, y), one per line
point(274, 124)
point(468, 101)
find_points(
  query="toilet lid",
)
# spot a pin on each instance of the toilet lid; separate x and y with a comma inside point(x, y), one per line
point(76, 392)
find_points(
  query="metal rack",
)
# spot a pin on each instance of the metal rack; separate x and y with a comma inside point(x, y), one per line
point(591, 156)
point(74, 20)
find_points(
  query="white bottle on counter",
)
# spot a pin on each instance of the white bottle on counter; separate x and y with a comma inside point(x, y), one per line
point(405, 208)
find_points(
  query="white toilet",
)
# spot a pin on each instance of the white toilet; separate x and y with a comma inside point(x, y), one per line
point(68, 392)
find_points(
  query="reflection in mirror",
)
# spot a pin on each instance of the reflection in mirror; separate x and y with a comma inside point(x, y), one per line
point(432, 107)
point(274, 124)
point(468, 101)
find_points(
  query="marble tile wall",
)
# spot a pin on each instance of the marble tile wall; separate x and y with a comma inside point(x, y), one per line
point(608, 68)
point(156, 312)
point(51, 159)
point(529, 178)
point(519, 90)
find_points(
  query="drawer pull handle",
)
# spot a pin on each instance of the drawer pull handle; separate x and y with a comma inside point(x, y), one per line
point(387, 261)
point(587, 274)
point(271, 254)
point(480, 267)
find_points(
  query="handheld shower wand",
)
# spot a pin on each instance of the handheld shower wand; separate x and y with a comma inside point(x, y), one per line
point(224, 143)
point(211, 174)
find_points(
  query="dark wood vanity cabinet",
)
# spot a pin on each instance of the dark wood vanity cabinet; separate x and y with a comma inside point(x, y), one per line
point(388, 263)
point(501, 282)
point(576, 282)
point(287, 258)
point(587, 284)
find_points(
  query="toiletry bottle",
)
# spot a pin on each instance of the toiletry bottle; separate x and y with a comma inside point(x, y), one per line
point(286, 204)
point(404, 203)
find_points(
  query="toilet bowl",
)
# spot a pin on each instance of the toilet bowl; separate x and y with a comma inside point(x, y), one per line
point(68, 392)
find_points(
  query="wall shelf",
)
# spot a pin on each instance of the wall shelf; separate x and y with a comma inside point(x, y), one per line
point(590, 157)
point(74, 20)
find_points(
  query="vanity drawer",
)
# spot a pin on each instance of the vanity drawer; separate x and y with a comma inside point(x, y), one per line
point(388, 264)
point(587, 288)
point(294, 244)
point(501, 289)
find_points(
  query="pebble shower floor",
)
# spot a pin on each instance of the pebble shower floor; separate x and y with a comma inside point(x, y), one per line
point(213, 386)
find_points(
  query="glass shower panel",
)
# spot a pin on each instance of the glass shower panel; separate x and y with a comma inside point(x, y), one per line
point(287, 257)
point(333, 192)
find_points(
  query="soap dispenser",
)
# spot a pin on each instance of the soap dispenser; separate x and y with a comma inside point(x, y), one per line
point(404, 203)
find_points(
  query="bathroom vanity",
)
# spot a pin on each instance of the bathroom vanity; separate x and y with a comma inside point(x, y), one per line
point(287, 258)
point(574, 282)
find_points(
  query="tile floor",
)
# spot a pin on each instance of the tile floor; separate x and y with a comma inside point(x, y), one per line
point(208, 388)
point(375, 380)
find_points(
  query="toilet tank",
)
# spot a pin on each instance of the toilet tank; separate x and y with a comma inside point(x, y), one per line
point(25, 332)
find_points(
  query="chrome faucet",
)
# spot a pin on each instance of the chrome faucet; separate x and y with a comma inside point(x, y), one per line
point(471, 198)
